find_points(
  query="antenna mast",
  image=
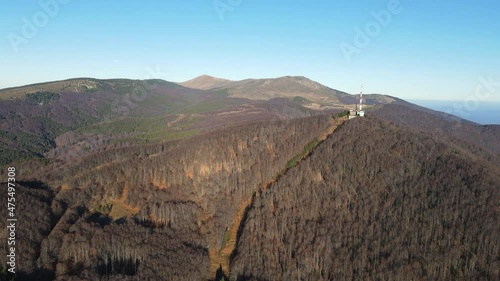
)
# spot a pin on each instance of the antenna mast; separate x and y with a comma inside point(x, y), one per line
point(361, 97)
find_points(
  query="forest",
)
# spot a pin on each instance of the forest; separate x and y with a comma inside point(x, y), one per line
point(163, 182)
point(352, 211)
point(107, 215)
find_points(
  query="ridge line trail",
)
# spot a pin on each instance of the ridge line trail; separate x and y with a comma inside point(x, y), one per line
point(221, 258)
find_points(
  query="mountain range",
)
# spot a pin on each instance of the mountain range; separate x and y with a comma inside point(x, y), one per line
point(258, 179)
point(58, 118)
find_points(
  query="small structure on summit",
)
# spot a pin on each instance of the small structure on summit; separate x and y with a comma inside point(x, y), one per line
point(358, 111)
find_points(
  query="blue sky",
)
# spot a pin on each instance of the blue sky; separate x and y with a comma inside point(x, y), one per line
point(426, 50)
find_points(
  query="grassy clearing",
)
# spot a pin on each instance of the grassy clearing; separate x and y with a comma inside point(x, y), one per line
point(142, 130)
point(307, 149)
point(116, 208)
point(119, 210)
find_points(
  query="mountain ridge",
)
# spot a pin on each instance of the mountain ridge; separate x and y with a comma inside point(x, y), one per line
point(307, 92)
point(311, 94)
point(81, 115)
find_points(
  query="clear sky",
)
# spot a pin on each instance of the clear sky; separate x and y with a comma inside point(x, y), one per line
point(414, 50)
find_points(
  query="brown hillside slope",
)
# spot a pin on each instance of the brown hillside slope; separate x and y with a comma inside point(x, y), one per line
point(443, 126)
point(156, 212)
point(221, 258)
point(376, 202)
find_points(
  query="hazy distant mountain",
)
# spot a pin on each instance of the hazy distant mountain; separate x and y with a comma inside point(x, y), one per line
point(206, 82)
point(300, 89)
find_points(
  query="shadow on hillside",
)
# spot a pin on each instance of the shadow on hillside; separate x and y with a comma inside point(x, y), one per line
point(220, 275)
point(39, 275)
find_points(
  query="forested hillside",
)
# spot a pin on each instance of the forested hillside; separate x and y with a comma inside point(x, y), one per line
point(442, 125)
point(155, 211)
point(376, 201)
